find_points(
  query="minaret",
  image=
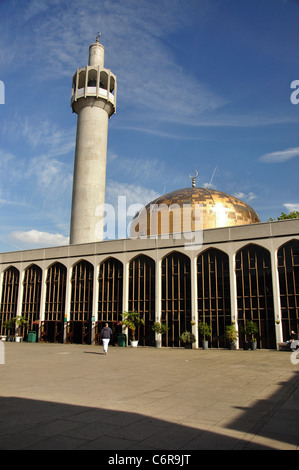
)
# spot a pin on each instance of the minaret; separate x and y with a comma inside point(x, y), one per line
point(94, 101)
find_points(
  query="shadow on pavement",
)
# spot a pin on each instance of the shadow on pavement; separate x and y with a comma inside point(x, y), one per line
point(32, 424)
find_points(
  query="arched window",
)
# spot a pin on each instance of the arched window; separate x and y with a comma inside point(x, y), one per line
point(53, 325)
point(82, 291)
point(81, 79)
point(55, 292)
point(110, 302)
point(288, 270)
point(103, 80)
point(31, 295)
point(92, 78)
point(142, 296)
point(255, 294)
point(213, 291)
point(79, 326)
point(9, 298)
point(176, 297)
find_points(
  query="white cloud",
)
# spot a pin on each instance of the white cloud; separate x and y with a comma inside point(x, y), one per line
point(292, 207)
point(36, 238)
point(130, 29)
point(280, 156)
point(51, 174)
point(245, 197)
point(39, 134)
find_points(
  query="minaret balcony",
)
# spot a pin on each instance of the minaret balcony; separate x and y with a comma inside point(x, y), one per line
point(96, 82)
point(93, 91)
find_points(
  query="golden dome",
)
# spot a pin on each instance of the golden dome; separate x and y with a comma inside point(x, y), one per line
point(191, 209)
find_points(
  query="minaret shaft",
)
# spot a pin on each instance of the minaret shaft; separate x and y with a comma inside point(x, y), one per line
point(89, 175)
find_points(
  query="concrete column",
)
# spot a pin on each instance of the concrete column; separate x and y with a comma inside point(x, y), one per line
point(233, 291)
point(125, 292)
point(68, 294)
point(158, 295)
point(276, 297)
point(42, 300)
point(20, 293)
point(194, 310)
point(95, 296)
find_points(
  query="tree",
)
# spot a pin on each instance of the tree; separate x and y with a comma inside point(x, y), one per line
point(132, 320)
point(283, 216)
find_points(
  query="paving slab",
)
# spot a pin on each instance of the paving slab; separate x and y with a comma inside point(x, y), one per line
point(73, 397)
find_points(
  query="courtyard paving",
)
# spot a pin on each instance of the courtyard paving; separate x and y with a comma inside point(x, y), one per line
point(58, 396)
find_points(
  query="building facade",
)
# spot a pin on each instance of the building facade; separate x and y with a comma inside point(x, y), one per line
point(234, 275)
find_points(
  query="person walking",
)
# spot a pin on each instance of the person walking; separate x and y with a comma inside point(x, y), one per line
point(106, 334)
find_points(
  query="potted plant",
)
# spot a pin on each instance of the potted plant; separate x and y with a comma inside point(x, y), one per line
point(20, 322)
point(132, 320)
point(251, 330)
point(160, 329)
point(188, 338)
point(231, 335)
point(9, 326)
point(204, 331)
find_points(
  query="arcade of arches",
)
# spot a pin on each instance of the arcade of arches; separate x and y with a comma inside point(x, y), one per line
point(96, 296)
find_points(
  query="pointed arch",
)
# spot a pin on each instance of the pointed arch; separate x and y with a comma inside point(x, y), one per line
point(213, 293)
point(104, 80)
point(31, 295)
point(142, 295)
point(288, 272)
point(81, 79)
point(255, 293)
point(52, 327)
point(92, 77)
point(79, 326)
point(9, 295)
point(110, 301)
point(176, 296)
point(82, 291)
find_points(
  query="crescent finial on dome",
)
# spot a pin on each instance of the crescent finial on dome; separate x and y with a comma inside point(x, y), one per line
point(194, 178)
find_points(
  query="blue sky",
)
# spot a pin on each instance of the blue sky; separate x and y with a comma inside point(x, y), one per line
point(202, 84)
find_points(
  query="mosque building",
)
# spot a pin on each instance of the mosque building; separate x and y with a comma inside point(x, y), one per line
point(194, 254)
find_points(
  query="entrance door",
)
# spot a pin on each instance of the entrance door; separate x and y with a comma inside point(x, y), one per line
point(78, 332)
point(51, 332)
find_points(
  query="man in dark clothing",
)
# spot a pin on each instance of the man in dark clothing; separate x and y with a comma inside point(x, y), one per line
point(106, 334)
